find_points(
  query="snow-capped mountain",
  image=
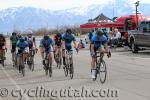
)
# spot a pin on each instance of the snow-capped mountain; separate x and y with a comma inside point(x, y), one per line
point(23, 18)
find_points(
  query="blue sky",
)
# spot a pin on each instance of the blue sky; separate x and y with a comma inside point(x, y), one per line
point(57, 4)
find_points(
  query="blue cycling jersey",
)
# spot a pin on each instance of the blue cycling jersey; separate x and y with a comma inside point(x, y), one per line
point(46, 46)
point(22, 45)
point(68, 39)
point(97, 42)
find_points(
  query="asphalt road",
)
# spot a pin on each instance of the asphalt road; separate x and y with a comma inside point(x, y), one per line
point(128, 78)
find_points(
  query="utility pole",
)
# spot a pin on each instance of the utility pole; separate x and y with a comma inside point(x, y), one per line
point(136, 7)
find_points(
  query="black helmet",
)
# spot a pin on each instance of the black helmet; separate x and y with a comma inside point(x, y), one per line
point(22, 40)
point(14, 33)
point(99, 33)
point(68, 31)
point(46, 37)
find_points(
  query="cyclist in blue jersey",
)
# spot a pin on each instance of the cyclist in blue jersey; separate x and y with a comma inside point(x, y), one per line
point(67, 39)
point(98, 43)
point(22, 47)
point(46, 45)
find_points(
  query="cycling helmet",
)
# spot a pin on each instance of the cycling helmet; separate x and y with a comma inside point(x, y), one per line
point(22, 40)
point(99, 33)
point(14, 33)
point(46, 37)
point(68, 31)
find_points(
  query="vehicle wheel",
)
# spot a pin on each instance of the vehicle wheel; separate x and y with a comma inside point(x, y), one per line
point(103, 72)
point(134, 48)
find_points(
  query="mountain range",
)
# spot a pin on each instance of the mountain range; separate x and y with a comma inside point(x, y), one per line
point(23, 18)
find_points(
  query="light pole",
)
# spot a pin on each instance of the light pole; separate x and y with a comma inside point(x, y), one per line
point(136, 7)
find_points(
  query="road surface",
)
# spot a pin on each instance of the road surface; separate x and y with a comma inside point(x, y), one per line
point(128, 78)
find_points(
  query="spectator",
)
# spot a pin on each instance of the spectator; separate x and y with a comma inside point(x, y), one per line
point(117, 34)
point(116, 37)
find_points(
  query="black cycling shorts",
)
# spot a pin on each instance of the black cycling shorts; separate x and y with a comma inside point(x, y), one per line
point(13, 48)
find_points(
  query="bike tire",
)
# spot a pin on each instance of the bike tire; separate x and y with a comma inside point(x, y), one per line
point(66, 70)
point(23, 70)
point(32, 68)
point(59, 62)
point(71, 71)
point(103, 70)
point(46, 70)
point(50, 69)
point(94, 79)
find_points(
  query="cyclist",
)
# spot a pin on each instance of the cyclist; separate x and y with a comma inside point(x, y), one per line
point(13, 40)
point(67, 39)
point(32, 44)
point(46, 44)
point(98, 43)
point(58, 42)
point(22, 47)
point(3, 45)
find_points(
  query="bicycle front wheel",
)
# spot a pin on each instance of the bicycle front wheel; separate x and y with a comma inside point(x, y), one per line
point(102, 72)
point(32, 68)
point(50, 69)
point(22, 70)
point(71, 71)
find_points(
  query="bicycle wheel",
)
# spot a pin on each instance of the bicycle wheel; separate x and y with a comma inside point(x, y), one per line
point(94, 79)
point(3, 63)
point(66, 67)
point(46, 70)
point(66, 70)
point(50, 69)
point(23, 71)
point(71, 71)
point(102, 72)
point(32, 65)
point(59, 61)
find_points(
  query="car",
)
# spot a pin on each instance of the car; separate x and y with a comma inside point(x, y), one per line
point(139, 39)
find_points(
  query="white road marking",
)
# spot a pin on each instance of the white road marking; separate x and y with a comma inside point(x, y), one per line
point(14, 82)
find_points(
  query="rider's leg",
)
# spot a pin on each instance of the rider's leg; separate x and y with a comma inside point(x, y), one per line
point(93, 67)
point(42, 54)
point(93, 63)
